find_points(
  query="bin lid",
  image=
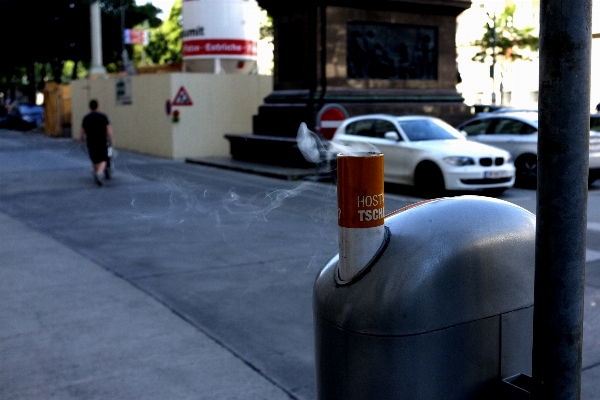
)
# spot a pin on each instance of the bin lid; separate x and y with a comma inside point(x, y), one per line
point(448, 262)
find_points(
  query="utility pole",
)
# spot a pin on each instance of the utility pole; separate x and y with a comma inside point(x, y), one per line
point(563, 142)
point(493, 66)
point(97, 67)
point(127, 64)
point(122, 10)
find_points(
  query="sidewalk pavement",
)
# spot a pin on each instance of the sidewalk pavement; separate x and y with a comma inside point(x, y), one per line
point(271, 171)
point(60, 311)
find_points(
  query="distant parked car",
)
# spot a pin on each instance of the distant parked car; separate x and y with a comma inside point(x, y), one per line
point(428, 153)
point(493, 109)
point(23, 117)
point(484, 108)
point(517, 132)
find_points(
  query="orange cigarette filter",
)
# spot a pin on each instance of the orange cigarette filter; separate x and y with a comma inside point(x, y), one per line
point(360, 190)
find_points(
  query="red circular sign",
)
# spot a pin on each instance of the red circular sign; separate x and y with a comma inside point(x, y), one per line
point(329, 120)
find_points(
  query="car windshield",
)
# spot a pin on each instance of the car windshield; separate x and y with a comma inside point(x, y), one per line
point(428, 129)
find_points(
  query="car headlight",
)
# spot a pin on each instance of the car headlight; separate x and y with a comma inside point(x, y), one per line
point(459, 161)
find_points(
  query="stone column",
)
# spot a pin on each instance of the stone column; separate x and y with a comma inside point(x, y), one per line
point(96, 34)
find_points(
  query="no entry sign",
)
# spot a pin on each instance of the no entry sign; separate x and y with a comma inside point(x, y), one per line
point(329, 119)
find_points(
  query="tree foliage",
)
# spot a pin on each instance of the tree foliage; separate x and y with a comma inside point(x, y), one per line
point(510, 41)
point(52, 32)
point(166, 40)
point(266, 28)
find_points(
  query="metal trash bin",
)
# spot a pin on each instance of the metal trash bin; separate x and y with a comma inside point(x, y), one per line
point(445, 311)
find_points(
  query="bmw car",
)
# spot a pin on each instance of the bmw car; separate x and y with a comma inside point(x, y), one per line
point(428, 153)
point(517, 133)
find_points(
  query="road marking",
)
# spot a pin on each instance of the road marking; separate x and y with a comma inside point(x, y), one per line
point(591, 255)
point(593, 226)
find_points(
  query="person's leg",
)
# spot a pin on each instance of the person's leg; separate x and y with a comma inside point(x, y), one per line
point(107, 168)
point(99, 167)
point(98, 170)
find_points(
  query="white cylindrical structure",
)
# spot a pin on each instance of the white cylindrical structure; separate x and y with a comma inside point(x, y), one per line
point(96, 33)
point(220, 36)
point(360, 212)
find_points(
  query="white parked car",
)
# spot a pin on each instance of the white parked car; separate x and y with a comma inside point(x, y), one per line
point(428, 153)
point(517, 132)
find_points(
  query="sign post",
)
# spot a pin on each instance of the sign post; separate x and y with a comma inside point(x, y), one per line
point(563, 157)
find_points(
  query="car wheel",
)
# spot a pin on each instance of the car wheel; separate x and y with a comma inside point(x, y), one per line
point(526, 175)
point(429, 179)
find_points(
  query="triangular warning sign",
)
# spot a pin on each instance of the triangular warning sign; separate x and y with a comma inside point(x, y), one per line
point(182, 98)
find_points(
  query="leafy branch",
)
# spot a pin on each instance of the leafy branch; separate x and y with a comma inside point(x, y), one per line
point(502, 38)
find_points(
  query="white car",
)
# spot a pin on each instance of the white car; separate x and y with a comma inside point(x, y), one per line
point(428, 153)
point(517, 132)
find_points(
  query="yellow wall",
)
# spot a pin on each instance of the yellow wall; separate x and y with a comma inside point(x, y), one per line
point(221, 104)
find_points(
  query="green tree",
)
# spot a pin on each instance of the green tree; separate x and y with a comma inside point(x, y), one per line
point(503, 39)
point(43, 35)
point(133, 15)
point(266, 28)
point(166, 41)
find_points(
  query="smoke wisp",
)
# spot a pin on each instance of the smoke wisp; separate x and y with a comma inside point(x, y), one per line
point(323, 152)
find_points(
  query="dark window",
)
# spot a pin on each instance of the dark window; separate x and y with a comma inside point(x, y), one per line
point(528, 129)
point(381, 127)
point(364, 127)
point(511, 126)
point(508, 126)
point(478, 127)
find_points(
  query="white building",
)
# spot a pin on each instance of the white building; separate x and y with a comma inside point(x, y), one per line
point(514, 83)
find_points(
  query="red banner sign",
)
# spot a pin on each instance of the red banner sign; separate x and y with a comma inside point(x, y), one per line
point(219, 47)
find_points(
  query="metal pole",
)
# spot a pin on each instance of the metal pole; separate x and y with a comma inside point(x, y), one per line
point(493, 67)
point(564, 115)
point(323, 14)
point(122, 12)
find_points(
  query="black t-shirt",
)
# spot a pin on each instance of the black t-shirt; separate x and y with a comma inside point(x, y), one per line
point(95, 124)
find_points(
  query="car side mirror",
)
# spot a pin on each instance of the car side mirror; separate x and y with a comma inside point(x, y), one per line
point(392, 135)
point(463, 133)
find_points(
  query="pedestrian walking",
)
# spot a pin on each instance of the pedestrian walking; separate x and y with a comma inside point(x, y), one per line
point(96, 130)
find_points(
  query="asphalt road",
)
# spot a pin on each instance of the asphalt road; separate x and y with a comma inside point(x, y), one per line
point(233, 254)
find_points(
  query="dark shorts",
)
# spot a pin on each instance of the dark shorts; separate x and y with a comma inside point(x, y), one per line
point(98, 152)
